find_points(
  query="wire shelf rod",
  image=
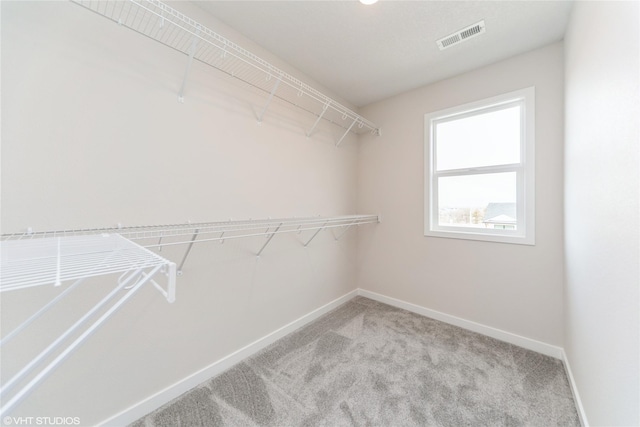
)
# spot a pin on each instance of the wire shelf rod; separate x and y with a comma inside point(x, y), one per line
point(168, 230)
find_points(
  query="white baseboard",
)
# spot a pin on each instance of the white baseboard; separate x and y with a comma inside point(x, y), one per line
point(164, 396)
point(169, 393)
point(574, 391)
point(499, 334)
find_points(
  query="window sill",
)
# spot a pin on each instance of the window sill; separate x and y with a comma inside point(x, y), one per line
point(485, 237)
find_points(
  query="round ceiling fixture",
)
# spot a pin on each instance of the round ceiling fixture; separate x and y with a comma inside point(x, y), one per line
point(368, 1)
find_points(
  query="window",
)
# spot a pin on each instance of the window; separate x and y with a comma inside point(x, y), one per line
point(479, 170)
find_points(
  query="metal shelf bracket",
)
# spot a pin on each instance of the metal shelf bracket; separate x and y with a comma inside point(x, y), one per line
point(192, 51)
point(186, 254)
point(271, 94)
point(344, 231)
point(269, 239)
point(347, 132)
point(324, 110)
point(315, 234)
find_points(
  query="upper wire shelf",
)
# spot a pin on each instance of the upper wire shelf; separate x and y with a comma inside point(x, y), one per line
point(166, 25)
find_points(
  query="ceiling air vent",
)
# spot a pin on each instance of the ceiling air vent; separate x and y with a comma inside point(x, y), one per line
point(462, 35)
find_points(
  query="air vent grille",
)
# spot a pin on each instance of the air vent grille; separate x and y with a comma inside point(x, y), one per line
point(462, 35)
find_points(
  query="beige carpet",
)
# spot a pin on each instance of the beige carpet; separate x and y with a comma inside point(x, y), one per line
point(370, 364)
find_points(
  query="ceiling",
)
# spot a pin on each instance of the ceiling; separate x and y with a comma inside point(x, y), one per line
point(368, 53)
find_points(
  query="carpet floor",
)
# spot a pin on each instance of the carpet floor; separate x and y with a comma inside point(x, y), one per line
point(370, 364)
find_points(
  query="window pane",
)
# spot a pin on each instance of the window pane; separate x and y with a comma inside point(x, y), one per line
point(487, 139)
point(480, 201)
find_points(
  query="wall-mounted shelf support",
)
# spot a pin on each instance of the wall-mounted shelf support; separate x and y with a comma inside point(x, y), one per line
point(324, 110)
point(347, 132)
point(273, 92)
point(186, 254)
point(342, 233)
point(269, 239)
point(170, 271)
point(315, 234)
point(192, 51)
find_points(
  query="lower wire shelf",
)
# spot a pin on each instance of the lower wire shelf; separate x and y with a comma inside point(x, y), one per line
point(67, 258)
point(38, 262)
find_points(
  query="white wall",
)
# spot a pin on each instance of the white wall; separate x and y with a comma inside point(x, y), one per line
point(602, 209)
point(93, 135)
point(515, 288)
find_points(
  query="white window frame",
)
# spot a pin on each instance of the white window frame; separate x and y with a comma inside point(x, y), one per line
point(524, 169)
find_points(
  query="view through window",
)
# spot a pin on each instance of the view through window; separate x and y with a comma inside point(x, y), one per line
point(480, 170)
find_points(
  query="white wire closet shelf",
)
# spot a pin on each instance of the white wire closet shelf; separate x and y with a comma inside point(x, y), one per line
point(31, 259)
point(158, 236)
point(241, 228)
point(69, 261)
point(54, 260)
point(166, 25)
